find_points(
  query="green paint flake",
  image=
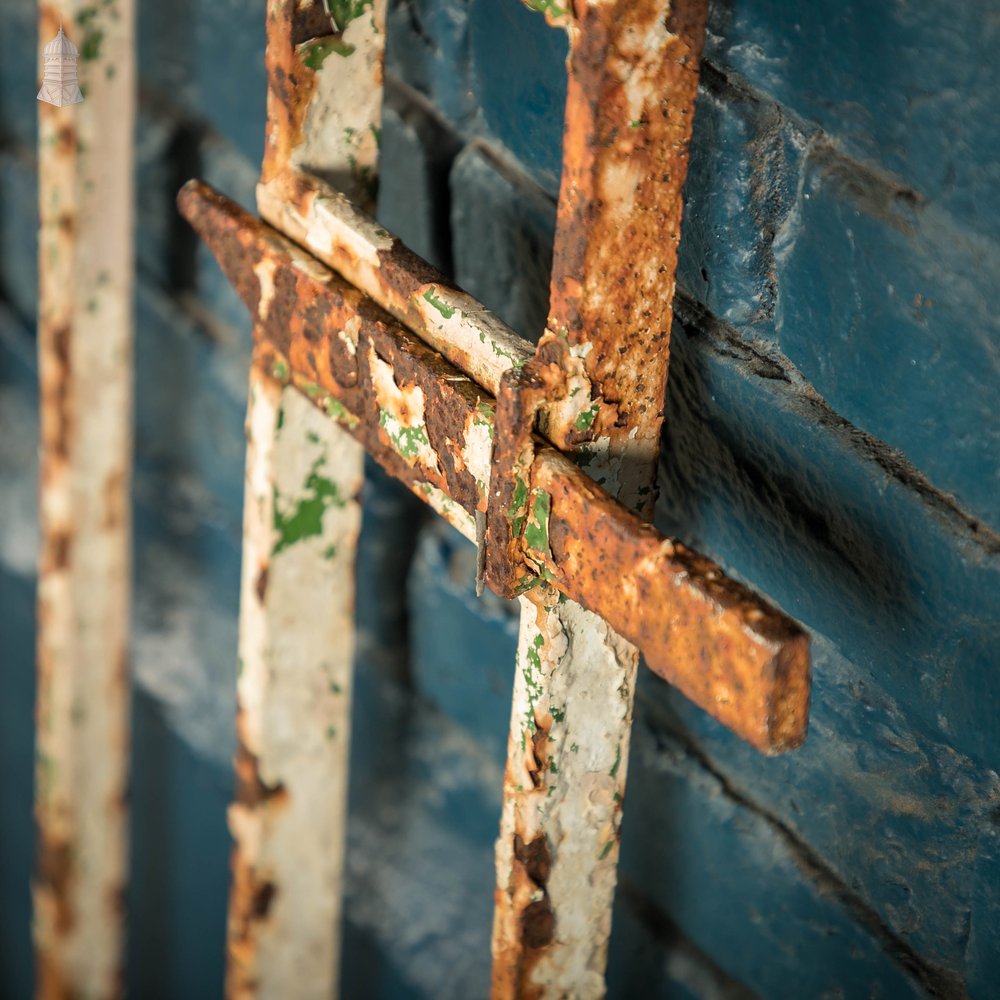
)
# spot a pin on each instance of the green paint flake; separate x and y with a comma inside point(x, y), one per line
point(441, 307)
point(585, 419)
point(314, 53)
point(331, 732)
point(312, 437)
point(345, 11)
point(335, 688)
point(545, 7)
point(536, 531)
point(330, 552)
point(311, 389)
point(306, 519)
point(46, 769)
point(618, 762)
point(484, 416)
point(552, 766)
point(93, 36)
point(559, 714)
point(279, 370)
point(407, 440)
point(339, 412)
point(532, 678)
point(90, 48)
point(607, 849)
point(501, 353)
point(281, 418)
point(518, 511)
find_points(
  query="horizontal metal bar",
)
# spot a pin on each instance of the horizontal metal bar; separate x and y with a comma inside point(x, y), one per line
point(429, 425)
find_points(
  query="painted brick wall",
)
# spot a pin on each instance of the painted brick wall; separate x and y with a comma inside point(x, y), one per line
point(831, 438)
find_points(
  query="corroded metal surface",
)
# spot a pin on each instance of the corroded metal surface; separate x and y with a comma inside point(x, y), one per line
point(420, 297)
point(85, 353)
point(633, 72)
point(431, 427)
point(301, 524)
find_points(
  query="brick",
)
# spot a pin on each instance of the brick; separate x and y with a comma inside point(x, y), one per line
point(742, 184)
point(390, 526)
point(467, 669)
point(20, 73)
point(896, 816)
point(179, 858)
point(19, 233)
point(859, 283)
point(736, 888)
point(427, 48)
point(416, 152)
point(502, 231)
point(208, 58)
point(901, 87)
point(419, 902)
point(190, 399)
point(18, 447)
point(887, 309)
point(649, 957)
point(521, 95)
point(983, 953)
point(836, 530)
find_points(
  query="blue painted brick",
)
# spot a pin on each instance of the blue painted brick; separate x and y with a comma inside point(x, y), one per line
point(899, 85)
point(416, 153)
point(427, 45)
point(757, 473)
point(466, 669)
point(888, 310)
point(502, 232)
point(208, 58)
point(20, 72)
point(741, 187)
point(983, 954)
point(19, 234)
point(737, 888)
point(895, 815)
point(518, 80)
point(190, 398)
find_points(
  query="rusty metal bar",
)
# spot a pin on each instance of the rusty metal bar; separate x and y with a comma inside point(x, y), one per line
point(85, 353)
point(633, 73)
point(301, 524)
point(430, 426)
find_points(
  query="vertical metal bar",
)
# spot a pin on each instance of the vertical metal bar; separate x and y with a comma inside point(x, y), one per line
point(85, 354)
point(301, 524)
point(633, 70)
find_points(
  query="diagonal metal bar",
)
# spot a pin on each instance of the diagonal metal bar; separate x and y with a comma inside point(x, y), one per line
point(430, 426)
point(85, 369)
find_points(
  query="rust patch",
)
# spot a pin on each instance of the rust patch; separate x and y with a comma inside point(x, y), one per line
point(290, 86)
point(251, 790)
point(260, 586)
point(55, 875)
point(743, 661)
point(263, 897)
